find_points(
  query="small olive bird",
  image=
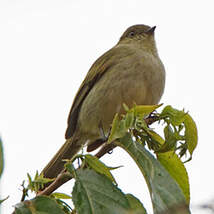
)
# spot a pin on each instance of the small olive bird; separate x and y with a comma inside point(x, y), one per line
point(131, 73)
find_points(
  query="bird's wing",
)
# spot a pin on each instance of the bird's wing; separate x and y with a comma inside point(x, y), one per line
point(97, 70)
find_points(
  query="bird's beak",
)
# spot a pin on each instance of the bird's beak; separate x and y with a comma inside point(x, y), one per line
point(151, 30)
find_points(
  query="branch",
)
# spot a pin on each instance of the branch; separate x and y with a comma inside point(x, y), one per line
point(64, 177)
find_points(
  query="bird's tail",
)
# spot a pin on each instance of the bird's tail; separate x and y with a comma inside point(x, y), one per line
point(70, 148)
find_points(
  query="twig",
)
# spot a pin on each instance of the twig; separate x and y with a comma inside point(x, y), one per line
point(105, 149)
point(151, 119)
point(64, 177)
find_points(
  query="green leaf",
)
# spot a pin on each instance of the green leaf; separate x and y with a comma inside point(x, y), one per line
point(143, 110)
point(43, 180)
point(1, 158)
point(176, 117)
point(129, 120)
point(118, 129)
point(38, 182)
point(113, 168)
point(156, 137)
point(64, 206)
point(59, 195)
point(94, 193)
point(70, 167)
point(177, 170)
point(191, 133)
point(99, 166)
point(170, 140)
point(174, 166)
point(136, 206)
point(39, 205)
point(126, 108)
point(23, 208)
point(2, 200)
point(164, 190)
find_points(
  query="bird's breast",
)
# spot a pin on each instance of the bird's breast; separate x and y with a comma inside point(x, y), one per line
point(128, 82)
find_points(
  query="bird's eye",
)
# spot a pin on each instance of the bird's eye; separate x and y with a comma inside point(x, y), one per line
point(131, 34)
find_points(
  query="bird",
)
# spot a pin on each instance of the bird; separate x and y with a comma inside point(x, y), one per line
point(129, 73)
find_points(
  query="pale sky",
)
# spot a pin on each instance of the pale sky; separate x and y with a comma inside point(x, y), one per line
point(46, 49)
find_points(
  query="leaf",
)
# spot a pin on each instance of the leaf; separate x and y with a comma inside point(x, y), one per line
point(38, 182)
point(39, 205)
point(170, 140)
point(43, 180)
point(59, 195)
point(177, 170)
point(119, 127)
point(99, 166)
point(176, 117)
point(113, 168)
point(70, 167)
point(126, 108)
point(155, 136)
point(174, 166)
point(191, 133)
point(129, 120)
point(164, 190)
point(115, 131)
point(2, 200)
point(136, 206)
point(143, 110)
point(1, 158)
point(23, 208)
point(64, 206)
point(94, 193)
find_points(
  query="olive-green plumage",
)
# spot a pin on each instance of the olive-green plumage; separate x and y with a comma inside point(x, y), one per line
point(131, 72)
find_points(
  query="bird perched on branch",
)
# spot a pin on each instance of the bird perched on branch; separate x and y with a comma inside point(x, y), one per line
point(131, 72)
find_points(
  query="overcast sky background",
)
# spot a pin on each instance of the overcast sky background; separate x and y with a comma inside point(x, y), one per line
point(46, 49)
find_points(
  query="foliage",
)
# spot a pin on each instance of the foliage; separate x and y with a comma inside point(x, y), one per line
point(2, 166)
point(158, 156)
point(38, 182)
point(40, 204)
